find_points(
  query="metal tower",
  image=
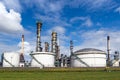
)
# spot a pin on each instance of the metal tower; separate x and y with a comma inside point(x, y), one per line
point(38, 44)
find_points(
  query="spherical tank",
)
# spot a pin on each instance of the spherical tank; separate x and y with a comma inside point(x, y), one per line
point(42, 59)
point(11, 59)
point(88, 57)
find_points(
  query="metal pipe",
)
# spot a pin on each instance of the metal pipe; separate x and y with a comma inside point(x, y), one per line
point(38, 47)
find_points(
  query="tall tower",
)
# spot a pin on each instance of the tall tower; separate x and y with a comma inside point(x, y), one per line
point(108, 47)
point(55, 47)
point(108, 51)
point(22, 60)
point(22, 44)
point(71, 47)
point(57, 52)
point(71, 51)
point(38, 44)
point(54, 42)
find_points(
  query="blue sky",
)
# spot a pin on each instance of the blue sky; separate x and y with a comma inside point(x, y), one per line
point(86, 22)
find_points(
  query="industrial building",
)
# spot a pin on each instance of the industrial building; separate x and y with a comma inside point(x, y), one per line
point(87, 57)
point(14, 59)
point(44, 59)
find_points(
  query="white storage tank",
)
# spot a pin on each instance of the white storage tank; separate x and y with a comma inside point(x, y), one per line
point(88, 57)
point(42, 59)
point(11, 59)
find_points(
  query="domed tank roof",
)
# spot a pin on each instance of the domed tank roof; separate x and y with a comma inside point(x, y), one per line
point(89, 50)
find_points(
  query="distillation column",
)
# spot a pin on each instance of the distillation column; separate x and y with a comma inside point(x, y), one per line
point(55, 47)
point(46, 47)
point(38, 44)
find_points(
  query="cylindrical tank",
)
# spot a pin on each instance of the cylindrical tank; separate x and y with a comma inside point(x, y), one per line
point(11, 59)
point(42, 59)
point(88, 57)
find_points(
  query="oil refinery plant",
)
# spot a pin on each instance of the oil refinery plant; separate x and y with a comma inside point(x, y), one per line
point(87, 57)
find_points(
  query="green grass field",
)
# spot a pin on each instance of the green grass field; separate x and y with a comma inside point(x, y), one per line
point(58, 75)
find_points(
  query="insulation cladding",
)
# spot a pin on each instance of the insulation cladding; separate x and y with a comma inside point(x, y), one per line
point(11, 59)
point(88, 57)
point(42, 59)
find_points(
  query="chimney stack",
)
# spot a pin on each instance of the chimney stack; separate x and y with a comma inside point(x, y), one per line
point(22, 51)
point(108, 48)
point(22, 45)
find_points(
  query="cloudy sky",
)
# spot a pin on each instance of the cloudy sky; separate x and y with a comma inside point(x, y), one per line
point(86, 22)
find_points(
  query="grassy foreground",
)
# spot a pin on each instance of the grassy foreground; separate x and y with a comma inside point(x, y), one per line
point(58, 75)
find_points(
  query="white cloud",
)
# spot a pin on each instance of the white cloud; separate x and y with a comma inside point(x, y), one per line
point(98, 24)
point(77, 18)
point(10, 22)
point(56, 6)
point(58, 29)
point(27, 48)
point(7, 48)
point(45, 6)
point(98, 39)
point(117, 10)
point(94, 5)
point(12, 4)
point(84, 21)
point(87, 23)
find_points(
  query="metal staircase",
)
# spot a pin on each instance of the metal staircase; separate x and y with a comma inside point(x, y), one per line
point(80, 60)
point(37, 61)
point(8, 62)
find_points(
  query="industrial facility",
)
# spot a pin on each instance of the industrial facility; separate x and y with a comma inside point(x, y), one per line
point(87, 57)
